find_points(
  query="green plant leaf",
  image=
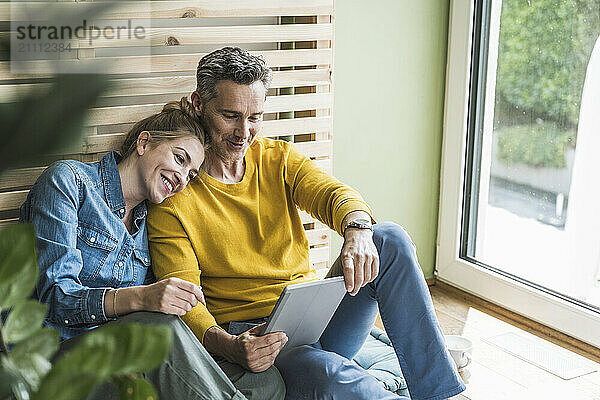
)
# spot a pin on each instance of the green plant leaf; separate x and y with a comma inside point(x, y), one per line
point(7, 381)
point(43, 342)
point(76, 373)
point(134, 388)
point(24, 319)
point(33, 368)
point(139, 348)
point(75, 388)
point(28, 370)
point(106, 352)
point(46, 122)
point(20, 391)
point(18, 264)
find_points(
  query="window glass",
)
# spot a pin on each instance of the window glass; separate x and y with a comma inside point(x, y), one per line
point(533, 197)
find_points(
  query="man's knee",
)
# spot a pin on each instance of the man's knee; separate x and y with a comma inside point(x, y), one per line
point(396, 250)
point(255, 385)
point(273, 384)
point(391, 237)
point(320, 374)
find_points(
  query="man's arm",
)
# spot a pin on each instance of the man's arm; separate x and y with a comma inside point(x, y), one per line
point(173, 256)
point(335, 204)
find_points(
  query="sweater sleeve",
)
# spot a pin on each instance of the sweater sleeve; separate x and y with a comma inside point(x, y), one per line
point(173, 257)
point(320, 194)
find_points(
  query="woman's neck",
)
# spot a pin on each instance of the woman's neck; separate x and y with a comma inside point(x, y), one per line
point(130, 184)
point(226, 171)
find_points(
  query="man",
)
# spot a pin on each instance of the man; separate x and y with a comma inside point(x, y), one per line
point(237, 228)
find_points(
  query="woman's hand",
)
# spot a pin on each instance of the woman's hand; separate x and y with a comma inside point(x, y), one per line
point(169, 296)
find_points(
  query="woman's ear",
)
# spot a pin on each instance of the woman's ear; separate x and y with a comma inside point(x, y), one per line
point(196, 102)
point(143, 141)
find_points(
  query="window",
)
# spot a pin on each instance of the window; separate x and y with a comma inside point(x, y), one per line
point(520, 215)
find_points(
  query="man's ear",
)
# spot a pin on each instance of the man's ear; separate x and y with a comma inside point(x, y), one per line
point(143, 141)
point(196, 102)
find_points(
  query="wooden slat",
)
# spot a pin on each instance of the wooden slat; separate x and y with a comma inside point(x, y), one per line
point(26, 177)
point(213, 35)
point(184, 9)
point(295, 126)
point(8, 222)
point(176, 85)
point(316, 149)
point(305, 217)
point(104, 143)
point(318, 236)
point(12, 200)
point(325, 165)
point(128, 114)
point(20, 177)
point(186, 84)
point(319, 254)
point(205, 35)
point(298, 102)
point(162, 63)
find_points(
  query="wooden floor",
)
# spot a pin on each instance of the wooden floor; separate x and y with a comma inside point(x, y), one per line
point(494, 373)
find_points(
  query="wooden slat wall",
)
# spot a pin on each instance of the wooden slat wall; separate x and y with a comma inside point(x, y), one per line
point(298, 106)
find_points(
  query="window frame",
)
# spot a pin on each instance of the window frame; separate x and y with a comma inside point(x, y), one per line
point(530, 301)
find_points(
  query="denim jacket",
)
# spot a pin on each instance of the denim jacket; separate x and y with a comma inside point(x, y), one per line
point(84, 248)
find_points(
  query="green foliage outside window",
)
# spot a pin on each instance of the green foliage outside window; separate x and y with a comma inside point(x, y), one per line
point(538, 145)
point(544, 49)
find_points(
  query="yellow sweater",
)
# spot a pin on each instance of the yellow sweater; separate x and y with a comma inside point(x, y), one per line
point(244, 242)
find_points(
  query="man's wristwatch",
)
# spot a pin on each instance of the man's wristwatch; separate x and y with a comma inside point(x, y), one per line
point(359, 223)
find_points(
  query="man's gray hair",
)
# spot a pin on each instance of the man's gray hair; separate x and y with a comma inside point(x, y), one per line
point(229, 63)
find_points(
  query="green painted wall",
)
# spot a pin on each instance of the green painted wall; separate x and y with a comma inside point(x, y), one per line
point(390, 61)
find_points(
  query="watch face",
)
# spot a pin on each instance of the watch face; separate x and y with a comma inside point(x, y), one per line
point(360, 223)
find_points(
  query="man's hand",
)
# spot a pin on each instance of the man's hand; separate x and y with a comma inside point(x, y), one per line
point(254, 353)
point(360, 260)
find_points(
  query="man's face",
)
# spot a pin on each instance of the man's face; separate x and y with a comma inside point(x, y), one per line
point(233, 118)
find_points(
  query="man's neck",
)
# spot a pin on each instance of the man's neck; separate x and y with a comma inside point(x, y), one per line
point(226, 171)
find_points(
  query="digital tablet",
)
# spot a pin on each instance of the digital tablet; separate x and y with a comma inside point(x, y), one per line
point(304, 310)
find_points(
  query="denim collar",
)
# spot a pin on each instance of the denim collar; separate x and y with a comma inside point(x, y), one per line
point(111, 180)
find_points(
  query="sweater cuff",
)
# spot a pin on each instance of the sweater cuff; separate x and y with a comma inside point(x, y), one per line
point(345, 209)
point(200, 320)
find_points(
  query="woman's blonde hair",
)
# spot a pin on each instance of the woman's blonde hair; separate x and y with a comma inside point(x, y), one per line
point(176, 120)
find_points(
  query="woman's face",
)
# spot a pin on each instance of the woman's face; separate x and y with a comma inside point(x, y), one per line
point(167, 166)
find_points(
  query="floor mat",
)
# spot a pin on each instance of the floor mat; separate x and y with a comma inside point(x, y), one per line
point(550, 357)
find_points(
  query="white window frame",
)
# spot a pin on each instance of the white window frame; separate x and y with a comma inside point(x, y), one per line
point(552, 311)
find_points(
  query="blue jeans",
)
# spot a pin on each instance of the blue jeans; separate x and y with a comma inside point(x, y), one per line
point(325, 370)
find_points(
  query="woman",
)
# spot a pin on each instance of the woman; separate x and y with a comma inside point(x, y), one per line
point(90, 222)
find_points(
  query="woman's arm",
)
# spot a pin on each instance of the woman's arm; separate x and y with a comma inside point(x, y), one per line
point(52, 206)
point(170, 296)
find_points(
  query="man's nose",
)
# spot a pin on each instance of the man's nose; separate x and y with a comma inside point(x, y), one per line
point(243, 131)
